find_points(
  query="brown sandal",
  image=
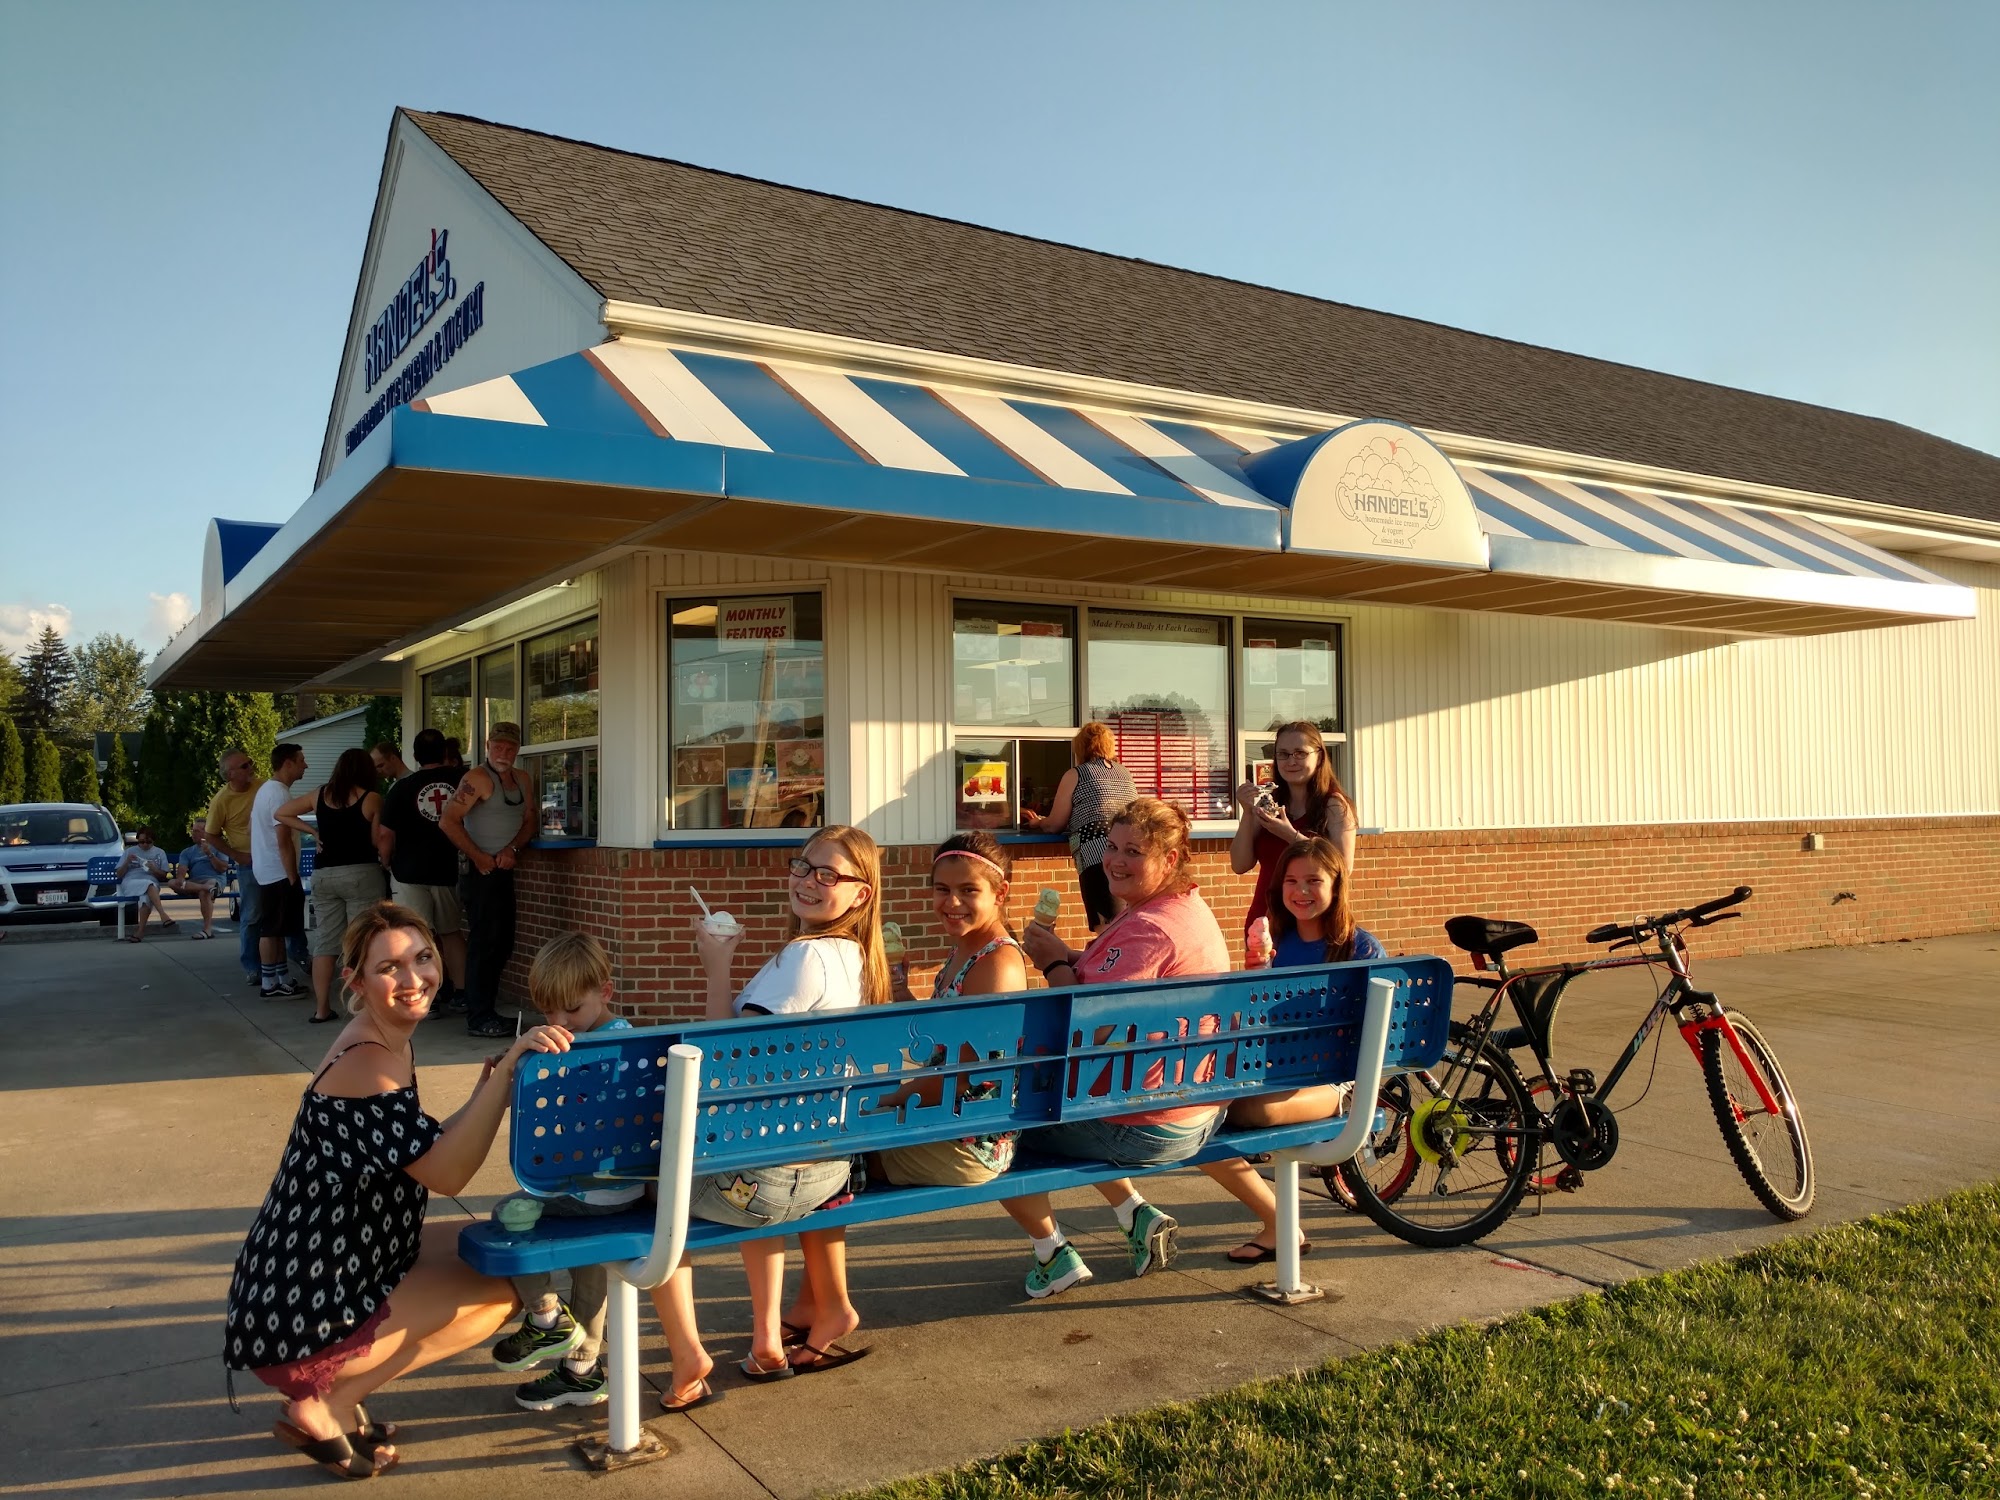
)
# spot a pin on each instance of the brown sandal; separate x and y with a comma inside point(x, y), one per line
point(337, 1455)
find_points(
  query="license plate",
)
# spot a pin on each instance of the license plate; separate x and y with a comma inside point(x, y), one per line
point(52, 898)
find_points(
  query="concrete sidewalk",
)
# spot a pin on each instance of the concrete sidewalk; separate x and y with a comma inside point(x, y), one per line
point(145, 1094)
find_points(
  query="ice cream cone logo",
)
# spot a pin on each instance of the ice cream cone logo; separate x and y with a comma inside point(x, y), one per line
point(1389, 492)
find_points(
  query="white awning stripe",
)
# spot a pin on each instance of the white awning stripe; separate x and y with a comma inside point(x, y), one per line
point(1189, 467)
point(863, 420)
point(491, 400)
point(670, 394)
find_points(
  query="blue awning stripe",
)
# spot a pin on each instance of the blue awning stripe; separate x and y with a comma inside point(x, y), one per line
point(1086, 439)
point(1873, 565)
point(1209, 446)
point(1661, 513)
point(960, 441)
point(570, 393)
point(769, 410)
point(1528, 525)
point(1721, 516)
point(1602, 520)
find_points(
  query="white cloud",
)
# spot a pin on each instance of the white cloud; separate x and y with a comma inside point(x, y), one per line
point(166, 614)
point(21, 623)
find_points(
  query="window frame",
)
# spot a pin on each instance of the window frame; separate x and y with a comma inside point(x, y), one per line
point(1237, 736)
point(665, 833)
point(516, 646)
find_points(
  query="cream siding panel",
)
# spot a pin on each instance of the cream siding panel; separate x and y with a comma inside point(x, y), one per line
point(894, 674)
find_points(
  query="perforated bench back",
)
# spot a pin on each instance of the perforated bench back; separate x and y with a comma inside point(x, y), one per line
point(778, 1089)
point(102, 869)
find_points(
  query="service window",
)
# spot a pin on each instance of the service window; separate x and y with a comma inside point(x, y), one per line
point(1161, 681)
point(561, 671)
point(1013, 667)
point(567, 783)
point(746, 711)
point(1292, 670)
point(448, 705)
point(497, 703)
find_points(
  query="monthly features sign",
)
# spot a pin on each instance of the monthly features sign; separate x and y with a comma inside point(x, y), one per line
point(746, 624)
point(423, 303)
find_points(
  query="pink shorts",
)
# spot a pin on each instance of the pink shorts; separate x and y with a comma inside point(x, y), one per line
point(309, 1379)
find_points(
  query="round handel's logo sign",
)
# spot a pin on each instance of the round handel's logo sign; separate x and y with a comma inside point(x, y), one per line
point(1388, 490)
point(1383, 490)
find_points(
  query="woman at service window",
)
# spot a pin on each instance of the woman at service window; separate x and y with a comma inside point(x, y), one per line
point(1090, 792)
point(1307, 801)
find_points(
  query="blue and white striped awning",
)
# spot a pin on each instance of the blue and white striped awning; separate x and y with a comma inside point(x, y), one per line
point(638, 444)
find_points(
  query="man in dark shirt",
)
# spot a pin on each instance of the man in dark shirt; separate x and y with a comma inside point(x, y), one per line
point(423, 864)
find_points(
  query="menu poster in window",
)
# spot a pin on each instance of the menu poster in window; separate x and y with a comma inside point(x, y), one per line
point(1316, 663)
point(701, 683)
point(1010, 689)
point(1288, 705)
point(751, 786)
point(729, 721)
point(801, 758)
point(698, 765)
point(784, 716)
point(1040, 640)
point(983, 781)
point(1260, 662)
point(799, 676)
point(976, 640)
point(749, 624)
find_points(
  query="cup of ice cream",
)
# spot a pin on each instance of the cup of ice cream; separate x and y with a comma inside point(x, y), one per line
point(720, 924)
point(518, 1215)
point(892, 942)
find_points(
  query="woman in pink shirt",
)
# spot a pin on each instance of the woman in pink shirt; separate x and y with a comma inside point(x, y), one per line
point(1163, 929)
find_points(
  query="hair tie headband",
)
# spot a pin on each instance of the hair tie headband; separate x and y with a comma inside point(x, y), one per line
point(969, 854)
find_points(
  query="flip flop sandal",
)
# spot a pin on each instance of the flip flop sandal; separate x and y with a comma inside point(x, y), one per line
point(199, 937)
point(321, 1020)
point(132, 939)
point(792, 1334)
point(753, 1371)
point(704, 1393)
point(336, 1455)
point(831, 1357)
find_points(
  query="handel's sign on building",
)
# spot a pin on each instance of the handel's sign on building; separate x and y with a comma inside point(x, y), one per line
point(423, 303)
point(1374, 489)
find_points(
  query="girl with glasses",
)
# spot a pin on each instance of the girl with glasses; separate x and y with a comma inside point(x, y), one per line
point(833, 961)
point(1306, 802)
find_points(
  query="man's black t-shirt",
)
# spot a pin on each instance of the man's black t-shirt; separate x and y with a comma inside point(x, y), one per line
point(413, 808)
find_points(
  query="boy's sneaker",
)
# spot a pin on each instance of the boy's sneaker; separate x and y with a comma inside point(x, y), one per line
point(1058, 1273)
point(564, 1387)
point(1153, 1238)
point(284, 989)
point(528, 1345)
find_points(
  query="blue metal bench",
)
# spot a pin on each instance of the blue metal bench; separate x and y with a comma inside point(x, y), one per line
point(680, 1103)
point(102, 870)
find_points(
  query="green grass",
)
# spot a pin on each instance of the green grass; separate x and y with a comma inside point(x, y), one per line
point(1863, 1360)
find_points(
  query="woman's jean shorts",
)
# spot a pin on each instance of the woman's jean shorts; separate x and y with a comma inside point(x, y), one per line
point(758, 1196)
point(1125, 1145)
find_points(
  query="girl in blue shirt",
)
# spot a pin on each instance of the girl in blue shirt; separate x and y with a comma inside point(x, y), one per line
point(1310, 924)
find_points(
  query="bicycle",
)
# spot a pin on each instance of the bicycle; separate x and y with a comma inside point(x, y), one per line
point(1463, 1142)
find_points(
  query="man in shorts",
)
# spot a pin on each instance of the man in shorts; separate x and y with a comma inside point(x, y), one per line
point(423, 863)
point(274, 864)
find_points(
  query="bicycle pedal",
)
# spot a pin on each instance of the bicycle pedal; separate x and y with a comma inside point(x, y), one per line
point(1582, 1082)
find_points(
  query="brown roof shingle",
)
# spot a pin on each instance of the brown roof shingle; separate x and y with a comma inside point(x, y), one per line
point(642, 229)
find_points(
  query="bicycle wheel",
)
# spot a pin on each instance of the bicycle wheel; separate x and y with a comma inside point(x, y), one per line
point(1455, 1154)
point(1771, 1150)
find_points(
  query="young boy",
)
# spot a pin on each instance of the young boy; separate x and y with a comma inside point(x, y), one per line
point(570, 984)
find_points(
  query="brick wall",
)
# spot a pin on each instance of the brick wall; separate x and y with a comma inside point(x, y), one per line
point(1874, 881)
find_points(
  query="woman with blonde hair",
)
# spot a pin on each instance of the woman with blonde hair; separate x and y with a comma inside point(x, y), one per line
point(833, 961)
point(1090, 792)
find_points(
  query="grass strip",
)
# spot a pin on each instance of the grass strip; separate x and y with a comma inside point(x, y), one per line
point(1861, 1360)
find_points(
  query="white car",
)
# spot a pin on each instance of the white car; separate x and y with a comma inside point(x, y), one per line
point(45, 852)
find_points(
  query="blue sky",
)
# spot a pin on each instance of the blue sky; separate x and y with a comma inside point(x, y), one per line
point(1800, 198)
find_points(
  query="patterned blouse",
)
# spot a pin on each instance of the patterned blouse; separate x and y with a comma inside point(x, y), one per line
point(1103, 787)
point(994, 1152)
point(340, 1228)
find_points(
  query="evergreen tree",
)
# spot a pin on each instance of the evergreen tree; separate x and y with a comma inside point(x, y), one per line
point(119, 789)
point(44, 769)
point(13, 763)
point(79, 777)
point(47, 672)
point(110, 688)
point(11, 687)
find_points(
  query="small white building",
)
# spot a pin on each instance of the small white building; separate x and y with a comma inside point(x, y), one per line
point(761, 509)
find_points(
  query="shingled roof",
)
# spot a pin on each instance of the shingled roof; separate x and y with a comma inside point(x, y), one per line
point(646, 230)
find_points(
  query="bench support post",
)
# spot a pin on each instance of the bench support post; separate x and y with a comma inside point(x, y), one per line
point(1360, 1119)
point(625, 1442)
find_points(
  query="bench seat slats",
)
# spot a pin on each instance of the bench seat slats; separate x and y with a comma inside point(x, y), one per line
point(557, 1243)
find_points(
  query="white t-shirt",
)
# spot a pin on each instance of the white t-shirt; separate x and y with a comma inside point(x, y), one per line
point(807, 974)
point(267, 864)
point(148, 867)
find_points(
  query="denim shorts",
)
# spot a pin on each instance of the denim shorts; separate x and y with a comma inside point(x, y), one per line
point(758, 1196)
point(1124, 1145)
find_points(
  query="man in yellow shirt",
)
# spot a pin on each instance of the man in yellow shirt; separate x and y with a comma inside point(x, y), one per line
point(229, 835)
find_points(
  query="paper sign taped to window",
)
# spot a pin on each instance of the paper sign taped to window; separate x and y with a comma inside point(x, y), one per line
point(746, 624)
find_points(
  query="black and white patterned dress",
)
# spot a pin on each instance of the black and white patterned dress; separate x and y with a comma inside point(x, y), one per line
point(341, 1226)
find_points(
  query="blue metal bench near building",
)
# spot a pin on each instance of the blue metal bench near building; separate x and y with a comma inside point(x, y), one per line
point(679, 1104)
point(102, 872)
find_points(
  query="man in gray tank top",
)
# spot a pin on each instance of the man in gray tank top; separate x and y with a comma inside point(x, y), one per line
point(490, 818)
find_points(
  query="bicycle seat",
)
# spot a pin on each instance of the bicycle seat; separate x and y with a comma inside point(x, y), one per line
point(1489, 935)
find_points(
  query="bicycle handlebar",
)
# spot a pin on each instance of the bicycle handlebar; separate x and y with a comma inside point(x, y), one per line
point(1698, 915)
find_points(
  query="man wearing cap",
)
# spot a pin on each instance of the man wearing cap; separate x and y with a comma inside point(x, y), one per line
point(490, 818)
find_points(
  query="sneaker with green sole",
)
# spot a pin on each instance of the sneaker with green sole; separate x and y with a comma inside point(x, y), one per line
point(562, 1386)
point(1153, 1238)
point(1058, 1273)
point(530, 1344)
